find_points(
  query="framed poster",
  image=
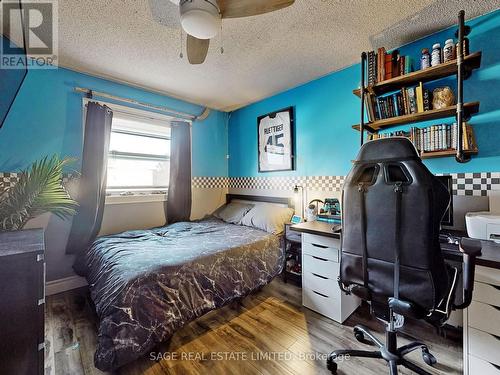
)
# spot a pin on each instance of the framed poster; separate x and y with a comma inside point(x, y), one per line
point(275, 141)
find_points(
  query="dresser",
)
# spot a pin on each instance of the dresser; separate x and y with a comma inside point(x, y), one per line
point(320, 271)
point(482, 325)
point(22, 302)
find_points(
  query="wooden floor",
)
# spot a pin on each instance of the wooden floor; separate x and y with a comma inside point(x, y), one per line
point(230, 340)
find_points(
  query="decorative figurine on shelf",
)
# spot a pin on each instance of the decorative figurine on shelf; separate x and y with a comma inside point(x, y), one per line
point(443, 97)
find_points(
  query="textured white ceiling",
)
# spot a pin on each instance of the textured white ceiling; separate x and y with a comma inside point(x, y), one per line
point(263, 55)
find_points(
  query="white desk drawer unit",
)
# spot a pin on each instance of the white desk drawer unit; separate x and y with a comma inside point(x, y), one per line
point(320, 270)
point(482, 325)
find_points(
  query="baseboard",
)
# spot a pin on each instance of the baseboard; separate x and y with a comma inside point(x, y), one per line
point(62, 285)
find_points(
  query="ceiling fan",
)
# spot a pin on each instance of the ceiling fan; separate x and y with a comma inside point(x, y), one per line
point(202, 19)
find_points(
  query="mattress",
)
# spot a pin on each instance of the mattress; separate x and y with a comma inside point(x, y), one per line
point(146, 284)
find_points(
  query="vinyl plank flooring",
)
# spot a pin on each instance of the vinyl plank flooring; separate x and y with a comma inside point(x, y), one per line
point(271, 329)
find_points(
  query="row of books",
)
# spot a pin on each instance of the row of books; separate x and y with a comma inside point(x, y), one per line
point(405, 102)
point(436, 137)
point(382, 65)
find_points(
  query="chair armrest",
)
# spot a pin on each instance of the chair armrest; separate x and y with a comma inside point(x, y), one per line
point(470, 249)
point(470, 246)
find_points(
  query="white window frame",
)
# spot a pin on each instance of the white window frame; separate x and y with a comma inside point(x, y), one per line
point(136, 195)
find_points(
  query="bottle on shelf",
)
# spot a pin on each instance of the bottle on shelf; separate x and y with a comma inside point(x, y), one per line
point(425, 60)
point(436, 55)
point(449, 51)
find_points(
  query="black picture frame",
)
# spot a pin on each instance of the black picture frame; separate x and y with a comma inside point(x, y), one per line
point(291, 112)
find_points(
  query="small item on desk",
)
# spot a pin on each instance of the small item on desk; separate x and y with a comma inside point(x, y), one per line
point(296, 219)
point(312, 210)
point(337, 228)
point(330, 212)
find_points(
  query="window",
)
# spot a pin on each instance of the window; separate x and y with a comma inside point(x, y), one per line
point(139, 154)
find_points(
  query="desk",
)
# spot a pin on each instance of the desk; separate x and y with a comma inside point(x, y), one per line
point(490, 254)
point(481, 327)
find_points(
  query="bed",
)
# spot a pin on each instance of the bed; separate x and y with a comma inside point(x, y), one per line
point(146, 284)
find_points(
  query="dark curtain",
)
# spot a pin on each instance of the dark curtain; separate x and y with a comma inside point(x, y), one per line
point(92, 184)
point(178, 207)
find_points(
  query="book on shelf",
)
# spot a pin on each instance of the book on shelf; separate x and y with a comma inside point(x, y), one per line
point(382, 66)
point(419, 92)
point(440, 137)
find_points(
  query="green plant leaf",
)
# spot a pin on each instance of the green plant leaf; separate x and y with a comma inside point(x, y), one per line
point(38, 190)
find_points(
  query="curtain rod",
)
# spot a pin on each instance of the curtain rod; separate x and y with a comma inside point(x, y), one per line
point(167, 110)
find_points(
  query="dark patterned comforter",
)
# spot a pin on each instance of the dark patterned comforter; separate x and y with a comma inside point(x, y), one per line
point(146, 284)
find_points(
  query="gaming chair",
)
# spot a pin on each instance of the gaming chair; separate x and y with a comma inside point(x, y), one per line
point(391, 256)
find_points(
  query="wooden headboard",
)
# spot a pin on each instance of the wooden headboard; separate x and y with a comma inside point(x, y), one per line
point(260, 198)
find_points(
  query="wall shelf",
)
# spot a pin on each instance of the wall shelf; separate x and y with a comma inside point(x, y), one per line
point(443, 153)
point(469, 110)
point(471, 62)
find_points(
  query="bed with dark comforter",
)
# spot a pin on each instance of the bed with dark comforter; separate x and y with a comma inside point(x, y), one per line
point(146, 284)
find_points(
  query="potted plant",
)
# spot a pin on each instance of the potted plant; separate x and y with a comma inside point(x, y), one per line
point(38, 190)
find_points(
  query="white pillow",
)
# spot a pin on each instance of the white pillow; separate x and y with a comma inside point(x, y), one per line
point(233, 212)
point(269, 218)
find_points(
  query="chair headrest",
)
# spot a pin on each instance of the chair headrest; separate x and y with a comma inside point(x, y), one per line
point(387, 149)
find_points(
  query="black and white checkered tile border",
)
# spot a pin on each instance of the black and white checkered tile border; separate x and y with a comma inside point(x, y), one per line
point(317, 183)
point(475, 184)
point(209, 182)
point(9, 179)
point(464, 184)
point(266, 183)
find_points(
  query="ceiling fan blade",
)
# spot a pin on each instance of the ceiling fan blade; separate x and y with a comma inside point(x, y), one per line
point(246, 8)
point(197, 49)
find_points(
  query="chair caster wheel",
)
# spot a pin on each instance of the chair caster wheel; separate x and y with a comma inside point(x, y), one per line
point(332, 366)
point(359, 336)
point(428, 357)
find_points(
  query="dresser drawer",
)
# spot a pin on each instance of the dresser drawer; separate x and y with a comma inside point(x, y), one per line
point(478, 366)
point(320, 251)
point(487, 275)
point(320, 266)
point(321, 240)
point(484, 317)
point(484, 346)
point(320, 303)
point(324, 285)
point(486, 293)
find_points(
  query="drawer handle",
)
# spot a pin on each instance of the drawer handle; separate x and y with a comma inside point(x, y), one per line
point(495, 366)
point(320, 294)
point(322, 259)
point(497, 287)
point(320, 246)
point(321, 277)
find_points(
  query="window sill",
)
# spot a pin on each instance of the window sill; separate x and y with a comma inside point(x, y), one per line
point(137, 198)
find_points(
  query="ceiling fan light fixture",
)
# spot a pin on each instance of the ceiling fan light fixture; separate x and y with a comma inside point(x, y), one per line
point(200, 18)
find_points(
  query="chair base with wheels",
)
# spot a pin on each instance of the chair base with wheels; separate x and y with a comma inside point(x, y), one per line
point(389, 351)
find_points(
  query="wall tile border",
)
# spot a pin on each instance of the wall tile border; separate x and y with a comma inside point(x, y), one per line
point(464, 184)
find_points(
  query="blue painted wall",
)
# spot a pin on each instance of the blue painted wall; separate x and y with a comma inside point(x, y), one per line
point(326, 108)
point(46, 119)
